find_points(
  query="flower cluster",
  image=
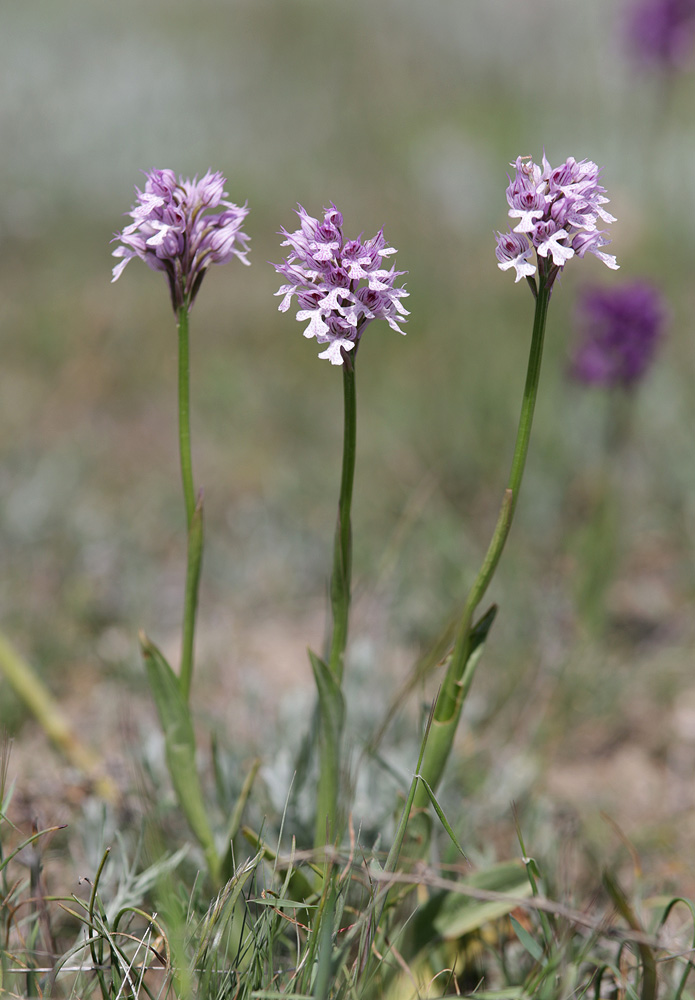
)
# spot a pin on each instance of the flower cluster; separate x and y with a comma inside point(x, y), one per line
point(661, 33)
point(558, 212)
point(171, 232)
point(621, 329)
point(341, 285)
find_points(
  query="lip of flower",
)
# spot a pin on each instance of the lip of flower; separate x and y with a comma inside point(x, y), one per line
point(546, 240)
point(528, 207)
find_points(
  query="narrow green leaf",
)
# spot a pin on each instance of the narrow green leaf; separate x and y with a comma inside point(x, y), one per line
point(405, 823)
point(240, 805)
point(442, 818)
point(508, 993)
point(620, 901)
point(28, 686)
point(458, 915)
point(478, 637)
point(281, 903)
point(331, 718)
point(221, 912)
point(324, 964)
point(440, 738)
point(331, 701)
point(298, 883)
point(179, 744)
point(5, 860)
point(688, 967)
point(275, 995)
point(535, 881)
point(528, 942)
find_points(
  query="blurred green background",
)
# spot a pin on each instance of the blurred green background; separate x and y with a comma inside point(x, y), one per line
point(405, 114)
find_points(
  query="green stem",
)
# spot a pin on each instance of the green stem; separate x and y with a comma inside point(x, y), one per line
point(185, 415)
point(342, 549)
point(194, 512)
point(329, 677)
point(452, 694)
point(194, 559)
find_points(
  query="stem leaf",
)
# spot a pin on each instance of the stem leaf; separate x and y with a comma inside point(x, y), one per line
point(528, 942)
point(458, 915)
point(331, 718)
point(442, 819)
point(179, 743)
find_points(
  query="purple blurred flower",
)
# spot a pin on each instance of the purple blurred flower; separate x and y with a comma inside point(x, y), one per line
point(558, 212)
point(341, 285)
point(621, 328)
point(662, 32)
point(171, 233)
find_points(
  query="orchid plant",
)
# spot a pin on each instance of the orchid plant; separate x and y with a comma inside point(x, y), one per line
point(558, 212)
point(341, 286)
point(661, 33)
point(174, 231)
point(619, 332)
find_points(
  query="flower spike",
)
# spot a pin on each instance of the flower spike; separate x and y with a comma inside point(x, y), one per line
point(661, 33)
point(621, 330)
point(341, 285)
point(171, 233)
point(557, 213)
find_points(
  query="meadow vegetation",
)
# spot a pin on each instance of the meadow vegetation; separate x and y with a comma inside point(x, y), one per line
point(168, 843)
